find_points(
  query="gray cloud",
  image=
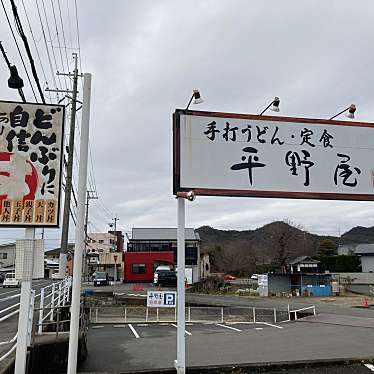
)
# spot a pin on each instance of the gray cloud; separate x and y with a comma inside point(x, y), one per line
point(147, 56)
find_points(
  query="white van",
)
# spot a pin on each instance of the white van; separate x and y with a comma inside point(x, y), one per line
point(10, 280)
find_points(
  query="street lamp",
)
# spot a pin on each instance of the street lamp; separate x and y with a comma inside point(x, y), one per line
point(15, 80)
point(274, 106)
point(350, 112)
point(196, 97)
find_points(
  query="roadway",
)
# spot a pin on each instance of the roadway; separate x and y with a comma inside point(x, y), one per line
point(145, 346)
point(9, 307)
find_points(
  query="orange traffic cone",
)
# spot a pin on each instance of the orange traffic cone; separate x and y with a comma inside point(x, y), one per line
point(365, 303)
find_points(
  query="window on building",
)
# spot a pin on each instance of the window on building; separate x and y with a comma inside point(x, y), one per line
point(101, 241)
point(138, 268)
point(3, 256)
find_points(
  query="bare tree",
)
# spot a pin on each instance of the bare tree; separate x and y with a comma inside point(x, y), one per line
point(236, 258)
point(286, 237)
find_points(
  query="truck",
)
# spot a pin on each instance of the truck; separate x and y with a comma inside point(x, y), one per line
point(165, 276)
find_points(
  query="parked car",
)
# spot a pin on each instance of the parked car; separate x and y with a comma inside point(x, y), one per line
point(165, 276)
point(254, 276)
point(229, 277)
point(101, 278)
point(10, 280)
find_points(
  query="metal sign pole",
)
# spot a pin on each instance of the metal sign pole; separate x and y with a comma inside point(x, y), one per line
point(79, 232)
point(181, 318)
point(24, 309)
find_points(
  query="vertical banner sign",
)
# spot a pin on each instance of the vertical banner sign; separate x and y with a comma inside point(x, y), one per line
point(226, 154)
point(31, 149)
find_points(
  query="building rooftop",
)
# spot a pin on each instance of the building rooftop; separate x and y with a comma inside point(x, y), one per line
point(303, 260)
point(363, 249)
point(162, 234)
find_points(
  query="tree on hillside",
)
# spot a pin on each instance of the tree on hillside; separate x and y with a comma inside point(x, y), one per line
point(286, 237)
point(238, 258)
point(327, 248)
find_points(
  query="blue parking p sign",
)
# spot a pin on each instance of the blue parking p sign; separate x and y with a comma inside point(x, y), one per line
point(169, 299)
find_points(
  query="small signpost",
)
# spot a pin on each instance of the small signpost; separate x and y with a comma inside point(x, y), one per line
point(161, 299)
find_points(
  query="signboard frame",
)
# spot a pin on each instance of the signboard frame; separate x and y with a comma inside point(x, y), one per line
point(199, 190)
point(58, 182)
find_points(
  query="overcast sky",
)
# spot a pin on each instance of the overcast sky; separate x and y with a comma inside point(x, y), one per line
point(147, 56)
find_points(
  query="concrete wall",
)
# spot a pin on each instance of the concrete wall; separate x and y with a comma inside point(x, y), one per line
point(357, 278)
point(367, 263)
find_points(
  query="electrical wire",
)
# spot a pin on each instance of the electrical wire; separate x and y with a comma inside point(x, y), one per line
point(50, 40)
point(46, 46)
point(35, 44)
point(59, 44)
point(27, 47)
point(19, 51)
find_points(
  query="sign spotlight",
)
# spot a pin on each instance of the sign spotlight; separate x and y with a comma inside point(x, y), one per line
point(190, 195)
point(274, 106)
point(196, 97)
point(350, 112)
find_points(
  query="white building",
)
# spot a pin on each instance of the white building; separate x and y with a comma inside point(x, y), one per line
point(7, 256)
point(101, 242)
point(366, 253)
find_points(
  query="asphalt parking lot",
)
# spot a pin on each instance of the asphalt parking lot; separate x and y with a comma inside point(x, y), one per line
point(116, 348)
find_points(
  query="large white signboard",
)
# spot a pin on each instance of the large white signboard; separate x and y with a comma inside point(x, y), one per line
point(248, 155)
point(31, 148)
point(162, 299)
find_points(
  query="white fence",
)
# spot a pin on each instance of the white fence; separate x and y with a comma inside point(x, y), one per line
point(193, 314)
point(51, 297)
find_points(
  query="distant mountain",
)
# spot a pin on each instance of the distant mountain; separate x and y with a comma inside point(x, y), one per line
point(358, 235)
point(267, 243)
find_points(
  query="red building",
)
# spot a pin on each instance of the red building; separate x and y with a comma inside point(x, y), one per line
point(140, 266)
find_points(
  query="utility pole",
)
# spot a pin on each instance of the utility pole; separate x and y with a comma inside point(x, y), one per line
point(79, 230)
point(114, 225)
point(90, 195)
point(69, 171)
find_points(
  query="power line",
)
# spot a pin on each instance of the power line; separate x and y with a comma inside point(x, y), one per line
point(46, 46)
point(19, 51)
point(35, 44)
point(50, 40)
point(27, 47)
point(58, 41)
point(63, 34)
point(78, 38)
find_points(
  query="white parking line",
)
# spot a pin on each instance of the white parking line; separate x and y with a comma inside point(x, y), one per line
point(119, 326)
point(370, 367)
point(259, 328)
point(228, 327)
point(187, 332)
point(97, 327)
point(134, 331)
point(270, 324)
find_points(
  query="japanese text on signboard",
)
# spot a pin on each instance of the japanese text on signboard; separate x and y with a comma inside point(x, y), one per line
point(30, 163)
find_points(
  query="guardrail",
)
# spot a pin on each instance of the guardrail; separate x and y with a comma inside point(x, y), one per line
point(303, 310)
point(57, 293)
point(193, 314)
